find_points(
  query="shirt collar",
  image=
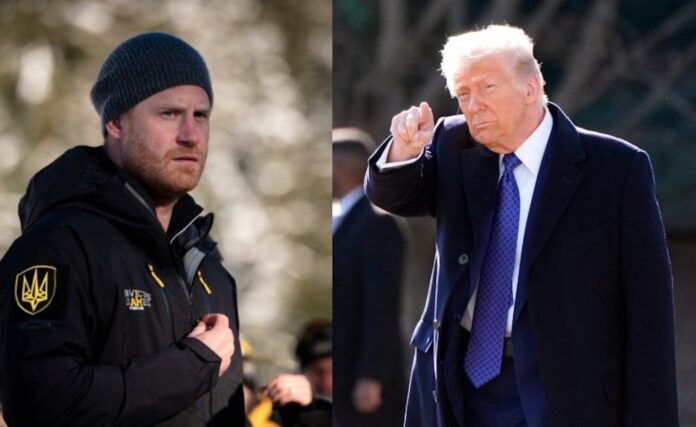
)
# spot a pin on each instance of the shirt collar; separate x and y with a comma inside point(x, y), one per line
point(531, 151)
point(349, 200)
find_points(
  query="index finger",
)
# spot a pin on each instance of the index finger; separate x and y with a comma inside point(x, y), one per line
point(426, 116)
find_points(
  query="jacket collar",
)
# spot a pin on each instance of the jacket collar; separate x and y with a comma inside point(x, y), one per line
point(352, 215)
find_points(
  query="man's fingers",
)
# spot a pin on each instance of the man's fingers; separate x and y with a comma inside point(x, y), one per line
point(399, 127)
point(423, 137)
point(209, 319)
point(222, 321)
point(394, 123)
point(412, 130)
point(286, 388)
point(414, 125)
point(213, 330)
point(412, 120)
point(274, 390)
point(426, 120)
point(198, 329)
point(425, 125)
point(216, 320)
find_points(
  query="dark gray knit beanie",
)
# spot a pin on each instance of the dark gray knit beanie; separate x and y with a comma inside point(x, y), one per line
point(142, 66)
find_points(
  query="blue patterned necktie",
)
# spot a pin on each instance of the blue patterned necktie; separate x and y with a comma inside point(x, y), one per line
point(484, 353)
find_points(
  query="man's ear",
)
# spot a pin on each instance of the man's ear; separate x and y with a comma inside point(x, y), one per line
point(112, 140)
point(533, 88)
point(113, 129)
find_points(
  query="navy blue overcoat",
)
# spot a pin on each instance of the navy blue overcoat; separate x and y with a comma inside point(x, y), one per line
point(593, 331)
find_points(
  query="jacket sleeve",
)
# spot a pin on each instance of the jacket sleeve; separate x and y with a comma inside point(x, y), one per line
point(647, 281)
point(408, 190)
point(47, 378)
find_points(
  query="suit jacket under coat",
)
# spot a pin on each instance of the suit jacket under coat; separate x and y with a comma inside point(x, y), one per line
point(594, 318)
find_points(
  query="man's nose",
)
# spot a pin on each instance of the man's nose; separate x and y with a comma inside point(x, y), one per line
point(474, 103)
point(190, 131)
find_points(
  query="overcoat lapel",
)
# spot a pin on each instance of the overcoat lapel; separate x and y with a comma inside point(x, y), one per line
point(556, 184)
point(480, 172)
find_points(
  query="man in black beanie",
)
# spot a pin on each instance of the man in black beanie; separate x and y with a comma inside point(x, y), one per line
point(115, 308)
point(314, 351)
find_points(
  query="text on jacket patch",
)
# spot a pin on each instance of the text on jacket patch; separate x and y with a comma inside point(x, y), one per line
point(137, 299)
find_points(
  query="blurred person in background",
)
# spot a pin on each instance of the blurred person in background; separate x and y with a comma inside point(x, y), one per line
point(115, 308)
point(368, 262)
point(314, 350)
point(550, 302)
point(294, 400)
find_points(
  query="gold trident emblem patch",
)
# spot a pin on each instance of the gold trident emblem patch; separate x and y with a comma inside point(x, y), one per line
point(35, 288)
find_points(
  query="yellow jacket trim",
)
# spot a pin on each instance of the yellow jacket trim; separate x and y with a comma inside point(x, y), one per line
point(205, 285)
point(154, 276)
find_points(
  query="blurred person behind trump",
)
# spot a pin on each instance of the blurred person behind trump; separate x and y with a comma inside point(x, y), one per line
point(368, 258)
point(550, 302)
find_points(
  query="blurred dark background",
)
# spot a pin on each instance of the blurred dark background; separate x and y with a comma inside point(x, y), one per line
point(622, 67)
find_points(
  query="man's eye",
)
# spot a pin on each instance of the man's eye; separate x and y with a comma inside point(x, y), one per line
point(490, 86)
point(168, 114)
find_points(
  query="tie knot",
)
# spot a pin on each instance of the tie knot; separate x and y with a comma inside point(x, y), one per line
point(511, 162)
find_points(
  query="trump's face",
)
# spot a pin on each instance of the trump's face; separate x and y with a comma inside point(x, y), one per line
point(497, 99)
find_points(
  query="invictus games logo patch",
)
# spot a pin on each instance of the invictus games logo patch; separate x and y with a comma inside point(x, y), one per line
point(137, 299)
point(35, 288)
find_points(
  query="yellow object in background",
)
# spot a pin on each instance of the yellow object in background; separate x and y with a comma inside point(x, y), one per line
point(261, 413)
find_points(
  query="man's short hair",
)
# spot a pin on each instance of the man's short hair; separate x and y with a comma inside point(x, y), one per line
point(475, 45)
point(314, 342)
point(352, 141)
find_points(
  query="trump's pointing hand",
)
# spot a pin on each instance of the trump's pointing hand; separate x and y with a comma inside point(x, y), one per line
point(412, 130)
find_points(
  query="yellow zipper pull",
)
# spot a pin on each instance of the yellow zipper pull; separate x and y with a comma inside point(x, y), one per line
point(205, 285)
point(154, 276)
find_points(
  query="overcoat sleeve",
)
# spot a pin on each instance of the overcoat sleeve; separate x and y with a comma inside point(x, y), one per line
point(647, 283)
point(407, 190)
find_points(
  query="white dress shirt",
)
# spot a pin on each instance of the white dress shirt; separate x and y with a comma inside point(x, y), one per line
point(341, 208)
point(530, 153)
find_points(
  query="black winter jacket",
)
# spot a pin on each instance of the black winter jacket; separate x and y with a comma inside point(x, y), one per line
point(96, 301)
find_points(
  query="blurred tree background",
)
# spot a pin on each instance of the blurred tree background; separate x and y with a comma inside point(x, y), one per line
point(268, 171)
point(623, 67)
